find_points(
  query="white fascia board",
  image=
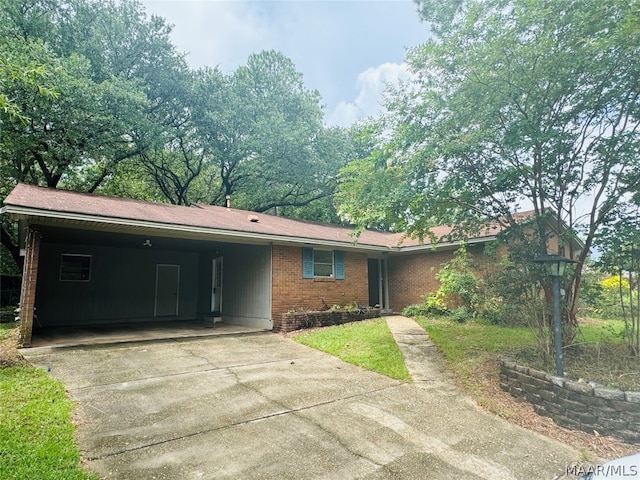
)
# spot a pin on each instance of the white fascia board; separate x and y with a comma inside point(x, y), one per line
point(438, 246)
point(25, 212)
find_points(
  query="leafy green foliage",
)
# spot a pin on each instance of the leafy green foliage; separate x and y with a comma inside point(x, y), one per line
point(368, 344)
point(94, 97)
point(461, 293)
point(101, 96)
point(608, 298)
point(513, 104)
point(369, 191)
point(433, 305)
point(262, 133)
point(460, 285)
point(622, 258)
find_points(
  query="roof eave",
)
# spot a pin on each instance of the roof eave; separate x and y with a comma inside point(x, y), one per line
point(19, 212)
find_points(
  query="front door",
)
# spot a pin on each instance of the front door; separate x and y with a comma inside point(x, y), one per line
point(216, 285)
point(378, 294)
point(167, 290)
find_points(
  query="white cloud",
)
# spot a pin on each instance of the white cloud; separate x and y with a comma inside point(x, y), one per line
point(371, 86)
point(331, 43)
point(220, 34)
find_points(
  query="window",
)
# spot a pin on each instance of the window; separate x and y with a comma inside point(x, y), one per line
point(323, 263)
point(317, 263)
point(75, 268)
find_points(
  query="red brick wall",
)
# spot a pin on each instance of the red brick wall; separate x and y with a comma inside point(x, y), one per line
point(411, 276)
point(291, 292)
point(28, 289)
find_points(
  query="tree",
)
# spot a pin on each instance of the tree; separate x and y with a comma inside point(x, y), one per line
point(88, 85)
point(333, 148)
point(620, 243)
point(515, 104)
point(265, 136)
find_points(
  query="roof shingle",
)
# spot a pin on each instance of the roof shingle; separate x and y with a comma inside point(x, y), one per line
point(64, 203)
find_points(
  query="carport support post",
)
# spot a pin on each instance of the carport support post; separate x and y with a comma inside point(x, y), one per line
point(28, 288)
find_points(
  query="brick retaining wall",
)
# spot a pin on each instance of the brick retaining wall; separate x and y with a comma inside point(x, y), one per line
point(298, 320)
point(576, 405)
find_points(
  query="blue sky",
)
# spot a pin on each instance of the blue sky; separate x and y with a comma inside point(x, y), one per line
point(346, 49)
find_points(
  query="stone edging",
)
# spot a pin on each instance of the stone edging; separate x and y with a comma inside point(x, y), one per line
point(578, 405)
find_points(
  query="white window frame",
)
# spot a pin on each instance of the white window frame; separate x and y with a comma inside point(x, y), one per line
point(315, 263)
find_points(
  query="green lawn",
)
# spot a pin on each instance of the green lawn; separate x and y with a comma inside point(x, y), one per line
point(469, 348)
point(465, 345)
point(472, 350)
point(36, 433)
point(368, 344)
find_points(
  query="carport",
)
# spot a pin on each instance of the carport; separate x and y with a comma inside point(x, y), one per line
point(92, 260)
point(88, 277)
point(97, 261)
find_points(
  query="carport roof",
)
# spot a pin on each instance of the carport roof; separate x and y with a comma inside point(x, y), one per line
point(40, 204)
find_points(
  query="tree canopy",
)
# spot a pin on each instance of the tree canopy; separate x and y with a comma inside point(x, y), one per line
point(75, 103)
point(514, 105)
point(94, 97)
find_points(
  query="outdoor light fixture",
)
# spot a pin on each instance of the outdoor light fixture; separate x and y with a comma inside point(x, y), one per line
point(555, 266)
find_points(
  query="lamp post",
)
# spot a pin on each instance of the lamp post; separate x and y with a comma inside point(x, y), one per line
point(555, 266)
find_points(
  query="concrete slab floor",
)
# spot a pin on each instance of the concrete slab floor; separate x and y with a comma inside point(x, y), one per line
point(263, 406)
point(131, 332)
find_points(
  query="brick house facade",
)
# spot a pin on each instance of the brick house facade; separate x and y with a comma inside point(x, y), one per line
point(414, 275)
point(292, 292)
point(147, 262)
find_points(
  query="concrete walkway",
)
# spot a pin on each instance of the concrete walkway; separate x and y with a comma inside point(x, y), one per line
point(422, 358)
point(263, 406)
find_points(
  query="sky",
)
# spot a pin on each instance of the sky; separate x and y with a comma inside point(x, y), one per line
point(347, 50)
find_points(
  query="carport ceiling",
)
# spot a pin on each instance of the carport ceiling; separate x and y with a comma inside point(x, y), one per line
point(124, 240)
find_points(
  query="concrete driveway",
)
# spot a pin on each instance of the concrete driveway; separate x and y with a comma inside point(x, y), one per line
point(262, 406)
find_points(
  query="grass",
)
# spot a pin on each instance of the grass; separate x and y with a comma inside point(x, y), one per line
point(368, 344)
point(469, 347)
point(599, 354)
point(36, 433)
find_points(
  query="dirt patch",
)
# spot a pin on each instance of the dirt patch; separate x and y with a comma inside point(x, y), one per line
point(9, 354)
point(493, 399)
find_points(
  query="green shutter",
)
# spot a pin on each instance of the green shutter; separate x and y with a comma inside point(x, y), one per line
point(338, 259)
point(307, 263)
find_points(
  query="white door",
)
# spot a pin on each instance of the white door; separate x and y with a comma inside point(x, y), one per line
point(167, 290)
point(216, 285)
